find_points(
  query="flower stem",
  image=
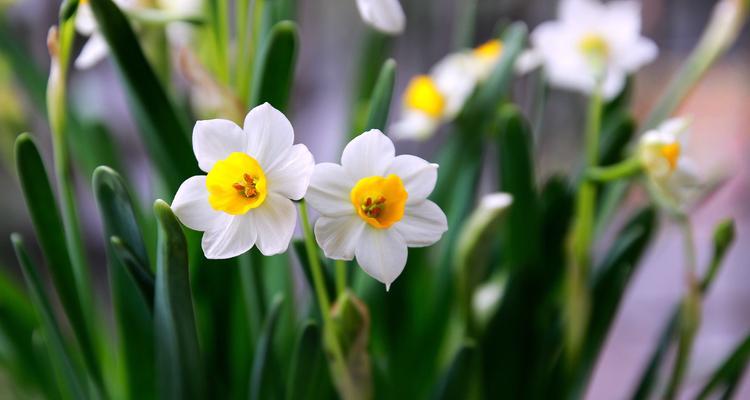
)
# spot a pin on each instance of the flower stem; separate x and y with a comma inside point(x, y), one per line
point(624, 169)
point(340, 276)
point(331, 342)
point(577, 307)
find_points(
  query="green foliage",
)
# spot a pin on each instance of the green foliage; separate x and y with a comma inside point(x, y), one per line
point(274, 70)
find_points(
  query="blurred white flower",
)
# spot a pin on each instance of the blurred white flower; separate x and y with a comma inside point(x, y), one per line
point(254, 173)
point(96, 48)
point(386, 16)
point(592, 41)
point(430, 100)
point(374, 205)
point(661, 154)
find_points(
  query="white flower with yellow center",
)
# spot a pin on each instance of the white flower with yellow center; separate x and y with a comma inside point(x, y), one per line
point(254, 173)
point(592, 41)
point(374, 205)
point(386, 16)
point(430, 100)
point(661, 154)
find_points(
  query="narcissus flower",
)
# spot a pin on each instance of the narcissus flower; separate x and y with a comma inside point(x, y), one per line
point(254, 173)
point(386, 16)
point(661, 154)
point(374, 205)
point(430, 100)
point(592, 40)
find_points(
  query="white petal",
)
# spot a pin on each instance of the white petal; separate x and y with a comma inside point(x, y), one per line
point(456, 76)
point(192, 208)
point(95, 50)
point(290, 175)
point(382, 254)
point(215, 140)
point(414, 125)
point(386, 16)
point(528, 61)
point(580, 11)
point(338, 236)
point(639, 53)
point(423, 224)
point(329, 191)
point(269, 134)
point(368, 154)
point(85, 21)
point(418, 175)
point(614, 83)
point(237, 237)
point(274, 221)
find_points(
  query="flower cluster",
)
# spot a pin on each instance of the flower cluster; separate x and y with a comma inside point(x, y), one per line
point(373, 206)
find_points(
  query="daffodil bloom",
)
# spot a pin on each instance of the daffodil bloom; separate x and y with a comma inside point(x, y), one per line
point(430, 100)
point(592, 41)
point(254, 173)
point(661, 154)
point(386, 16)
point(374, 205)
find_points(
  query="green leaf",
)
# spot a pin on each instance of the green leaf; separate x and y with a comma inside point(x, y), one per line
point(491, 93)
point(49, 228)
point(516, 174)
point(727, 376)
point(610, 282)
point(68, 379)
point(163, 132)
point(179, 368)
point(308, 373)
point(299, 248)
point(264, 378)
point(274, 69)
point(132, 307)
point(380, 101)
point(456, 383)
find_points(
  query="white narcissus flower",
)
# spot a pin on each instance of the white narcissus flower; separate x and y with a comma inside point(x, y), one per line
point(430, 100)
point(254, 173)
point(592, 40)
point(386, 16)
point(374, 205)
point(661, 154)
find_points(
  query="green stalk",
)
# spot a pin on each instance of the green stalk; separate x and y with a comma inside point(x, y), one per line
point(338, 363)
point(690, 313)
point(580, 257)
point(340, 276)
point(60, 43)
point(621, 170)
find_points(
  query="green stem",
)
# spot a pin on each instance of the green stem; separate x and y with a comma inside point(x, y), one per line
point(690, 312)
point(338, 367)
point(340, 276)
point(622, 170)
point(580, 258)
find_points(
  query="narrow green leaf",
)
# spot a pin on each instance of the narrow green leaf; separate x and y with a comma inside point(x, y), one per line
point(609, 286)
point(264, 378)
point(728, 374)
point(308, 373)
point(179, 368)
point(301, 251)
point(274, 69)
point(456, 383)
point(144, 278)
point(517, 179)
point(132, 308)
point(65, 369)
point(162, 129)
point(490, 94)
point(380, 101)
point(49, 228)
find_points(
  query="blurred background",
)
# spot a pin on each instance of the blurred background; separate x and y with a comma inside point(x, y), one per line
point(331, 35)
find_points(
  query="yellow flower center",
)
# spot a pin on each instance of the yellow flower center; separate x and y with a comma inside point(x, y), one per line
point(489, 50)
point(422, 94)
point(594, 45)
point(671, 152)
point(379, 201)
point(83, 2)
point(236, 184)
